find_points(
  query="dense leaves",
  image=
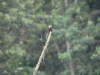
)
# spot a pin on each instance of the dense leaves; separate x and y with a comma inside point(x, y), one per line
point(74, 47)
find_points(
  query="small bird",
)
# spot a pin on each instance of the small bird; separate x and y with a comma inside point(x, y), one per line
point(50, 29)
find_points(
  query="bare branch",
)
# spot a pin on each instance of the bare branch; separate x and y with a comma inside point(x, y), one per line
point(70, 63)
point(43, 53)
point(94, 12)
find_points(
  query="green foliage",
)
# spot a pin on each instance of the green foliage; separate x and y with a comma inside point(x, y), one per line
point(23, 32)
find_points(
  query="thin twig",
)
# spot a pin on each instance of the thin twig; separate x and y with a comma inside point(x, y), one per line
point(42, 54)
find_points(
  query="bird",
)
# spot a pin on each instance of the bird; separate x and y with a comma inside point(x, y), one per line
point(50, 28)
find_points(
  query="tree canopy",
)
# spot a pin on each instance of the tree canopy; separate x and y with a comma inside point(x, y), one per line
point(74, 48)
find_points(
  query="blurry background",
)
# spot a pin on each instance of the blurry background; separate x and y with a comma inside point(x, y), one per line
point(74, 48)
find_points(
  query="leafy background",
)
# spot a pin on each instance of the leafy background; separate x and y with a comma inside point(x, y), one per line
point(74, 48)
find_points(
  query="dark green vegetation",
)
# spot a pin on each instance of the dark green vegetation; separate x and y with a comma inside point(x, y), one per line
point(23, 28)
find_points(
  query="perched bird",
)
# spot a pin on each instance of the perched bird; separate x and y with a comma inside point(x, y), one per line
point(50, 28)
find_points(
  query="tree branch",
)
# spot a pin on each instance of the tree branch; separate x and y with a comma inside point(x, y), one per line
point(94, 12)
point(71, 62)
point(42, 54)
